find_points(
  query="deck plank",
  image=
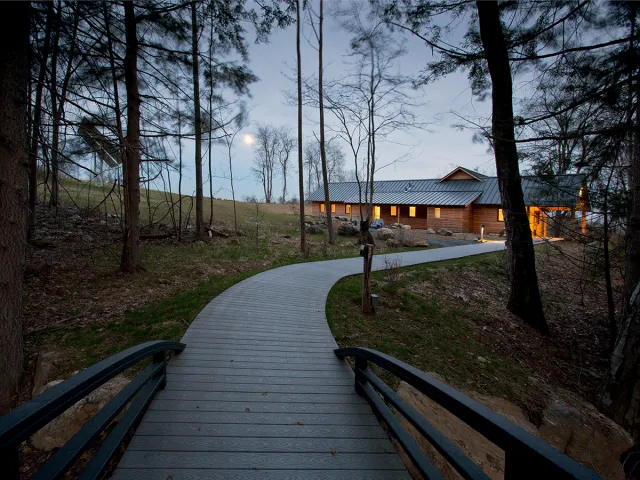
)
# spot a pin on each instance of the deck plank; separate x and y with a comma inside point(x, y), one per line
point(258, 392)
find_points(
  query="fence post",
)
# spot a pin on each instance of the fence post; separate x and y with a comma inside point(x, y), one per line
point(10, 463)
point(161, 357)
point(361, 364)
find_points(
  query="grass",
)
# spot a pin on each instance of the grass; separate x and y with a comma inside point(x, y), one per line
point(424, 328)
point(156, 205)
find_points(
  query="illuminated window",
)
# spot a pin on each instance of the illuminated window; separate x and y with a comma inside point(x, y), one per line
point(376, 212)
point(394, 210)
point(500, 215)
point(412, 211)
point(322, 208)
point(347, 208)
point(333, 208)
point(436, 212)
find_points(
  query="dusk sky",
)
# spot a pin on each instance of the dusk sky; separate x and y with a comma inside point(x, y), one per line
point(429, 153)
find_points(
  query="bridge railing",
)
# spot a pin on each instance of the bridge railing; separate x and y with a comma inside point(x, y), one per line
point(526, 456)
point(22, 422)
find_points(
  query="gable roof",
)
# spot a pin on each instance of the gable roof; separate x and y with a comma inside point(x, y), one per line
point(471, 173)
point(558, 191)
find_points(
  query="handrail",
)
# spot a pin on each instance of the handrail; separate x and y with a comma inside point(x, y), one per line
point(23, 421)
point(526, 456)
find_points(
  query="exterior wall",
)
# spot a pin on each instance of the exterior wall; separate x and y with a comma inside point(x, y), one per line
point(340, 209)
point(456, 219)
point(487, 215)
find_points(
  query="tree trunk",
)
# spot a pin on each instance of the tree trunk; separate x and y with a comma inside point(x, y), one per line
point(53, 92)
point(303, 241)
point(323, 150)
point(130, 261)
point(367, 253)
point(209, 152)
point(524, 297)
point(197, 121)
point(37, 118)
point(14, 152)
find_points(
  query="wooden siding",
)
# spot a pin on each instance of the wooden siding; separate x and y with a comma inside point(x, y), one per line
point(460, 175)
point(487, 215)
point(456, 219)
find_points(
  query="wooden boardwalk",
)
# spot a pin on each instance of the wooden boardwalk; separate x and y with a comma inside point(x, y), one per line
point(258, 392)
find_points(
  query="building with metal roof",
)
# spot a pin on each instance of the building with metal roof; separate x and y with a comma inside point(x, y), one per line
point(461, 201)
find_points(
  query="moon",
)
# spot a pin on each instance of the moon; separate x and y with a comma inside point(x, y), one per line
point(248, 139)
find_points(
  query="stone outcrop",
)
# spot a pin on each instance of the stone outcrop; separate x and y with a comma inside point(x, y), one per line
point(57, 432)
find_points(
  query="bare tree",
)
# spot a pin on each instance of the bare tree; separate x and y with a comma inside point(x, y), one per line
point(286, 143)
point(300, 160)
point(265, 159)
point(14, 79)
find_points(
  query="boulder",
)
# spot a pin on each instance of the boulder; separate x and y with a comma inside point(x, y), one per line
point(348, 229)
point(431, 231)
point(314, 229)
point(422, 243)
point(589, 437)
point(406, 227)
point(395, 225)
point(57, 432)
point(44, 370)
point(393, 243)
point(445, 232)
point(384, 234)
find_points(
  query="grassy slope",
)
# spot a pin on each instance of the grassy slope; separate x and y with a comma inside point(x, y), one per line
point(80, 277)
point(421, 329)
point(450, 318)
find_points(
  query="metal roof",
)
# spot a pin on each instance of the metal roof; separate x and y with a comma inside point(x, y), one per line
point(558, 191)
point(458, 199)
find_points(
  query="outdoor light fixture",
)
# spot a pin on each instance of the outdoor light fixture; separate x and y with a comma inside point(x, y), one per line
point(374, 301)
point(482, 232)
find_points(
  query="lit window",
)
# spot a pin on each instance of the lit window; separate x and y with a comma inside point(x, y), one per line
point(394, 210)
point(412, 211)
point(437, 212)
point(333, 208)
point(347, 208)
point(322, 208)
point(500, 215)
point(376, 212)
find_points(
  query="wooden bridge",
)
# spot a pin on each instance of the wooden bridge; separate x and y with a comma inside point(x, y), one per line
point(258, 392)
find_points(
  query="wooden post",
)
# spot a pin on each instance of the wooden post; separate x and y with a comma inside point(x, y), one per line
point(544, 223)
point(398, 212)
point(366, 251)
point(584, 222)
point(572, 221)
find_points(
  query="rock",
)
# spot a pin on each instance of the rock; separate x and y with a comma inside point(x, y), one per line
point(348, 230)
point(314, 229)
point(57, 432)
point(409, 241)
point(164, 281)
point(384, 234)
point(445, 232)
point(431, 231)
point(393, 243)
point(406, 227)
point(234, 241)
point(461, 296)
point(395, 225)
point(44, 370)
point(585, 434)
point(422, 243)
point(588, 436)
point(200, 242)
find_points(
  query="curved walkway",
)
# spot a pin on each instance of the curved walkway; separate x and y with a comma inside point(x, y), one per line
point(258, 392)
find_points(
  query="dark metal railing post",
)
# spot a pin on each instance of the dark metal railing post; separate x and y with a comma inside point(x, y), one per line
point(161, 357)
point(10, 463)
point(361, 365)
